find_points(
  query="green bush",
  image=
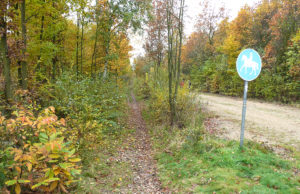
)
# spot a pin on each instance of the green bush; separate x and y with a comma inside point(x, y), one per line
point(91, 107)
point(158, 99)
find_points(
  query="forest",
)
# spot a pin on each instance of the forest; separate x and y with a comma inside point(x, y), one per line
point(209, 54)
point(271, 28)
point(78, 117)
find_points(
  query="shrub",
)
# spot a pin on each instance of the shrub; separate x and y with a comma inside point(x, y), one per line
point(36, 152)
point(91, 107)
point(158, 100)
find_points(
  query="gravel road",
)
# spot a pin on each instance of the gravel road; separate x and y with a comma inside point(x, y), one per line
point(269, 123)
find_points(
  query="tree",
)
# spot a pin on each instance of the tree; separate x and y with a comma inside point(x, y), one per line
point(116, 17)
point(209, 18)
point(175, 36)
point(283, 24)
point(156, 34)
point(24, 68)
point(5, 15)
point(194, 51)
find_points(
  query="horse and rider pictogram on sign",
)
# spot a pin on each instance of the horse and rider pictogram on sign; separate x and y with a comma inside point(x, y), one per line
point(248, 64)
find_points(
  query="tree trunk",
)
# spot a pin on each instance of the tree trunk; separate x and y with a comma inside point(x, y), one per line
point(81, 46)
point(170, 60)
point(24, 71)
point(38, 67)
point(107, 47)
point(19, 67)
point(77, 46)
point(174, 54)
point(94, 56)
point(5, 58)
point(54, 61)
point(19, 73)
point(180, 30)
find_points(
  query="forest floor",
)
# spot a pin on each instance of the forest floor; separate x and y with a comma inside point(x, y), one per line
point(268, 123)
point(125, 164)
point(139, 155)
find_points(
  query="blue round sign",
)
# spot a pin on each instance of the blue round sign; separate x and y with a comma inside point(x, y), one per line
point(248, 64)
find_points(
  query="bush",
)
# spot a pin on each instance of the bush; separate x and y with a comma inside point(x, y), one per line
point(158, 100)
point(92, 107)
point(35, 153)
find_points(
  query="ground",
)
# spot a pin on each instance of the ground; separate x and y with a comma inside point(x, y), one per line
point(267, 123)
point(140, 156)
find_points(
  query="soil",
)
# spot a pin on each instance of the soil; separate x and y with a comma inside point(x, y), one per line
point(140, 156)
point(268, 123)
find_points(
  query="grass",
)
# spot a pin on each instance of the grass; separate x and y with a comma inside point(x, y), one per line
point(102, 172)
point(221, 166)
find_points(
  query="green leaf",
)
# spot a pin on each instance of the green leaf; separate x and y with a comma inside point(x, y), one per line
point(71, 152)
point(23, 181)
point(53, 136)
point(43, 137)
point(47, 172)
point(11, 182)
point(65, 165)
point(75, 172)
point(37, 185)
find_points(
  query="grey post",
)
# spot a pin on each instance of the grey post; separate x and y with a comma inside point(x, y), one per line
point(244, 114)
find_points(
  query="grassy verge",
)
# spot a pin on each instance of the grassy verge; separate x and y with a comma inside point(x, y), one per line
point(217, 165)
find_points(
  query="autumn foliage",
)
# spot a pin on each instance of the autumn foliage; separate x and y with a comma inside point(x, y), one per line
point(39, 157)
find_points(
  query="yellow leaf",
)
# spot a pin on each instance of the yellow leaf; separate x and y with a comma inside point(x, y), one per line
point(56, 172)
point(54, 155)
point(17, 157)
point(18, 189)
point(18, 169)
point(53, 185)
point(39, 125)
point(66, 173)
point(63, 122)
point(75, 160)
point(26, 145)
point(29, 166)
point(52, 109)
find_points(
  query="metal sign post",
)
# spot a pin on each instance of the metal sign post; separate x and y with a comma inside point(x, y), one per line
point(248, 66)
point(244, 114)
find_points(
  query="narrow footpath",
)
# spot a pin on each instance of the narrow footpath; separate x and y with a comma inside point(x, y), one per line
point(139, 155)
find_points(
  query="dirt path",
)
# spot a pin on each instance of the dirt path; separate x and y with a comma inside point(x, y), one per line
point(269, 123)
point(139, 155)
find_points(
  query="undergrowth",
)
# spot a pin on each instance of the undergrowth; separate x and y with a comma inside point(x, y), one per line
point(88, 124)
